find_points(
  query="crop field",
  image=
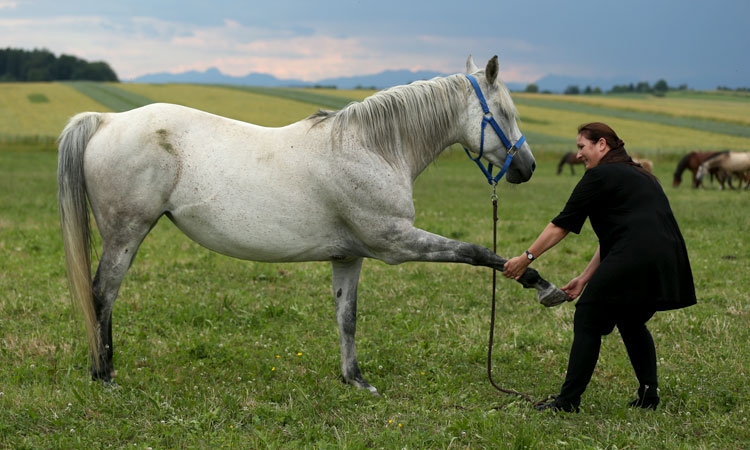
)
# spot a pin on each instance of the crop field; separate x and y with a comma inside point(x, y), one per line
point(213, 352)
point(723, 108)
point(36, 112)
point(248, 106)
point(655, 127)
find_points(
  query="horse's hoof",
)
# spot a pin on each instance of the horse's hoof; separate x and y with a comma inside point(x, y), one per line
point(552, 296)
point(360, 383)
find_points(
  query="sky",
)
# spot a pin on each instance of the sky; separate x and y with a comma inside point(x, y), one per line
point(681, 41)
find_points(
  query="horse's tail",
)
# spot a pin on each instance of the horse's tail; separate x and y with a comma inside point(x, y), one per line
point(74, 221)
point(562, 163)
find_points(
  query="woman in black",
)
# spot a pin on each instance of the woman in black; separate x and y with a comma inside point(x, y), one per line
point(641, 265)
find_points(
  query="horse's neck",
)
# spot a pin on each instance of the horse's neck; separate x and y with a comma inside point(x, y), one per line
point(419, 158)
point(425, 127)
point(717, 161)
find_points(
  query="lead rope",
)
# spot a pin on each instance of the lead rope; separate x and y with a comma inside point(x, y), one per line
point(526, 397)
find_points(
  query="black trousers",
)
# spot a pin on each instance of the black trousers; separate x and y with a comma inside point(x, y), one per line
point(597, 319)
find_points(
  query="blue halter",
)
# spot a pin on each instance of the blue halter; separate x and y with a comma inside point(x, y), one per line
point(511, 148)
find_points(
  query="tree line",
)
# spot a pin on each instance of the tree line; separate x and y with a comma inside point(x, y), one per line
point(660, 88)
point(43, 65)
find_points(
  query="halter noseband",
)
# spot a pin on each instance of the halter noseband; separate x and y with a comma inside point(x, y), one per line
point(510, 148)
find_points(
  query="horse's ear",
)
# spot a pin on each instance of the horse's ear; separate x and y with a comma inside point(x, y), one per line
point(470, 66)
point(491, 71)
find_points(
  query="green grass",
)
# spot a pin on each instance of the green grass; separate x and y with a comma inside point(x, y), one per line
point(214, 352)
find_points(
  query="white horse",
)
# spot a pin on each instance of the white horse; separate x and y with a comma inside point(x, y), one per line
point(336, 187)
point(732, 163)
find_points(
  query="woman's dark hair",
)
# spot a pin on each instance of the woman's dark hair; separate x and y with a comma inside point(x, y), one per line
point(596, 130)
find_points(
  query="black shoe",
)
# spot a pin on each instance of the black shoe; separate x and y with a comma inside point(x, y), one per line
point(557, 405)
point(648, 398)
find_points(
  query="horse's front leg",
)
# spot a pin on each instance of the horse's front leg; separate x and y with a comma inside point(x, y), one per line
point(345, 282)
point(414, 244)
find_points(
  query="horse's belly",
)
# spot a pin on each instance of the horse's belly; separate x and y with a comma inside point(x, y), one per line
point(261, 234)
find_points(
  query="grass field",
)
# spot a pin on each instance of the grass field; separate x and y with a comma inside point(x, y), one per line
point(214, 352)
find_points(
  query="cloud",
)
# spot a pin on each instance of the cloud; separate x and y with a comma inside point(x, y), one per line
point(139, 45)
point(8, 5)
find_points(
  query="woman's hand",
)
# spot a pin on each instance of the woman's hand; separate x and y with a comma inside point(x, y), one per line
point(574, 288)
point(515, 267)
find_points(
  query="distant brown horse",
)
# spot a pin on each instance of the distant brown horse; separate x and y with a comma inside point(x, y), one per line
point(692, 161)
point(569, 158)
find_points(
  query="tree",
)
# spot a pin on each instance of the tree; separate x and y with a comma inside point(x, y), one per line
point(643, 87)
point(661, 86)
point(65, 66)
point(572, 90)
point(96, 71)
point(532, 88)
point(42, 65)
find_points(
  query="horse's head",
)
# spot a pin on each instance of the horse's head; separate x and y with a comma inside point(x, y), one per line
point(504, 112)
point(702, 170)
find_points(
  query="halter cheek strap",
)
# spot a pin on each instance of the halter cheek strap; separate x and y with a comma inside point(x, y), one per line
point(510, 148)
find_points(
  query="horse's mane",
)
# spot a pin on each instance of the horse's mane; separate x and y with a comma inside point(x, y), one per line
point(415, 118)
point(709, 161)
point(717, 155)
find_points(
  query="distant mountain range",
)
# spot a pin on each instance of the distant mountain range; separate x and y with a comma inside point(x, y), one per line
point(380, 80)
point(388, 78)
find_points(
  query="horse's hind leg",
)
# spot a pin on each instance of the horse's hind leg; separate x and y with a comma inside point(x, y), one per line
point(118, 252)
point(345, 281)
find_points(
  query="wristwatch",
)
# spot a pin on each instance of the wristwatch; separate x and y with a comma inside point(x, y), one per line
point(529, 255)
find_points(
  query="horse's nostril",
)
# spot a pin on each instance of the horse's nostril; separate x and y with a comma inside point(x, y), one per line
point(533, 166)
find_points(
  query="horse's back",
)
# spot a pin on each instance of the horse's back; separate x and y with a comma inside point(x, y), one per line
point(738, 161)
point(236, 188)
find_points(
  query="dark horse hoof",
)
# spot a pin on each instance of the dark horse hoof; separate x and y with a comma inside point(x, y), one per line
point(552, 296)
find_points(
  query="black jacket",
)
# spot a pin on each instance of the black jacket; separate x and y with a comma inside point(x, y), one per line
point(643, 256)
